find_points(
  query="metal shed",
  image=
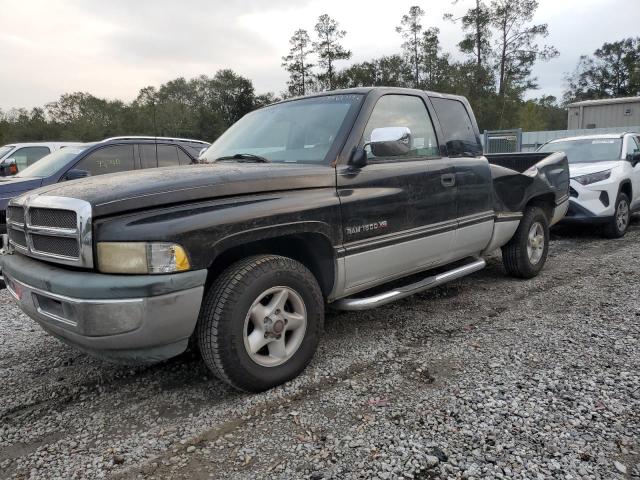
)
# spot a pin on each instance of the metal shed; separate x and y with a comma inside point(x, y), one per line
point(605, 113)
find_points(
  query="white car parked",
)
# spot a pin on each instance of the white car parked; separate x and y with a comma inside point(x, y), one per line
point(605, 179)
point(18, 156)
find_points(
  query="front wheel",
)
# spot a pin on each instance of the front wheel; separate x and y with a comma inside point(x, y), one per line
point(526, 253)
point(618, 225)
point(260, 322)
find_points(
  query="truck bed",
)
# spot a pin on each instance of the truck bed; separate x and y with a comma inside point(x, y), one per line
point(519, 162)
point(513, 188)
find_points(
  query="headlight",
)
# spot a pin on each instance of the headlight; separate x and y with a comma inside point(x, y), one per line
point(141, 257)
point(592, 177)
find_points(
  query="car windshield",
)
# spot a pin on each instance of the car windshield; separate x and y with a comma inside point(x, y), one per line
point(587, 150)
point(5, 149)
point(300, 131)
point(53, 162)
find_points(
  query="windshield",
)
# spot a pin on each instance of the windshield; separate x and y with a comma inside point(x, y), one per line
point(300, 131)
point(587, 150)
point(49, 164)
point(4, 150)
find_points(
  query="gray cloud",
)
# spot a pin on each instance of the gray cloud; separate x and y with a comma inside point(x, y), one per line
point(113, 48)
point(148, 31)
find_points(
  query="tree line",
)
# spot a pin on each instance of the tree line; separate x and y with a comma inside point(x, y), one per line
point(499, 47)
point(201, 108)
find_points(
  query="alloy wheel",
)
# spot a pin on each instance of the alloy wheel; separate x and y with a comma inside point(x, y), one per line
point(535, 243)
point(275, 326)
point(622, 215)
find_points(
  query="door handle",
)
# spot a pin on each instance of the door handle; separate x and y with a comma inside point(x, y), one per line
point(448, 179)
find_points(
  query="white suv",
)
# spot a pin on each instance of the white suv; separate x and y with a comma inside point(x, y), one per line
point(605, 179)
point(18, 156)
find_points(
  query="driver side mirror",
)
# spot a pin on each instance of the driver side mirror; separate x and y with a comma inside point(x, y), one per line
point(635, 158)
point(385, 142)
point(74, 174)
point(390, 141)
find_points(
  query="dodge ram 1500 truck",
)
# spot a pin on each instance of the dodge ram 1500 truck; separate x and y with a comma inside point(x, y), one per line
point(331, 199)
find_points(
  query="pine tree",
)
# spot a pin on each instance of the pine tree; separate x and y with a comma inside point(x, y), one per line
point(410, 28)
point(328, 48)
point(296, 63)
point(476, 23)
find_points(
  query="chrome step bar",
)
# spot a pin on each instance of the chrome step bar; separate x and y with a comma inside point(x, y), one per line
point(374, 301)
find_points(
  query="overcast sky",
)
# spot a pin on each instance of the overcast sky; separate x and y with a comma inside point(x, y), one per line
point(113, 48)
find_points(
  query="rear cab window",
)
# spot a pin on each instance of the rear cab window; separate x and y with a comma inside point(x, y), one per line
point(460, 136)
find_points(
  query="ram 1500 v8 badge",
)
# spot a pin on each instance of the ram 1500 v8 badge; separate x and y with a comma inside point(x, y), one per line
point(306, 203)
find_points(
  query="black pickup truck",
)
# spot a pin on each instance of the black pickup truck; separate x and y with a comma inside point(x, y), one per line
point(331, 199)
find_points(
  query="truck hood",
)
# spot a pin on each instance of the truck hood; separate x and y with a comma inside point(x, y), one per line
point(15, 186)
point(121, 192)
point(577, 169)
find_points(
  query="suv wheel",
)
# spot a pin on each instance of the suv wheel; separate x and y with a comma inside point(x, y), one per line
point(526, 253)
point(618, 225)
point(260, 322)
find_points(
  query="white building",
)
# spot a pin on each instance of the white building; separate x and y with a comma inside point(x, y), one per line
point(606, 113)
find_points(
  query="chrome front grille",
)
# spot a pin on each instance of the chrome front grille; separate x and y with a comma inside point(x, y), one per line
point(61, 246)
point(53, 218)
point(15, 214)
point(17, 237)
point(57, 229)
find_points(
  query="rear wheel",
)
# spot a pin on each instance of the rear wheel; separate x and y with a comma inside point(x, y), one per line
point(260, 322)
point(618, 225)
point(526, 253)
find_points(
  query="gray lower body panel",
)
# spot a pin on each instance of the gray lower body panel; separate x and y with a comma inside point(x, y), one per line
point(503, 231)
point(559, 212)
point(364, 270)
point(372, 267)
point(128, 328)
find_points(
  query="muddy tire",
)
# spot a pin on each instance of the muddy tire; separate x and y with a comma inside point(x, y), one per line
point(260, 322)
point(526, 253)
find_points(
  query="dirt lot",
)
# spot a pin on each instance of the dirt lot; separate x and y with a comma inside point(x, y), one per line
point(487, 377)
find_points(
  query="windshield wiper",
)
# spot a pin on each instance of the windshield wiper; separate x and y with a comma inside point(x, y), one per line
point(244, 157)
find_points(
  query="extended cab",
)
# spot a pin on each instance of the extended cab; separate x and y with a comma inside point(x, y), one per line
point(330, 199)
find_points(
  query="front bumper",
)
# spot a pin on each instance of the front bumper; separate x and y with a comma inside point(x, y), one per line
point(594, 203)
point(138, 318)
point(578, 215)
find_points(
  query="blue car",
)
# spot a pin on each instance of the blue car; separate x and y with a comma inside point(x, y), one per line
point(112, 155)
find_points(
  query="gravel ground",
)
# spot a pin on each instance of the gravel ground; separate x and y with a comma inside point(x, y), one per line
point(487, 377)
